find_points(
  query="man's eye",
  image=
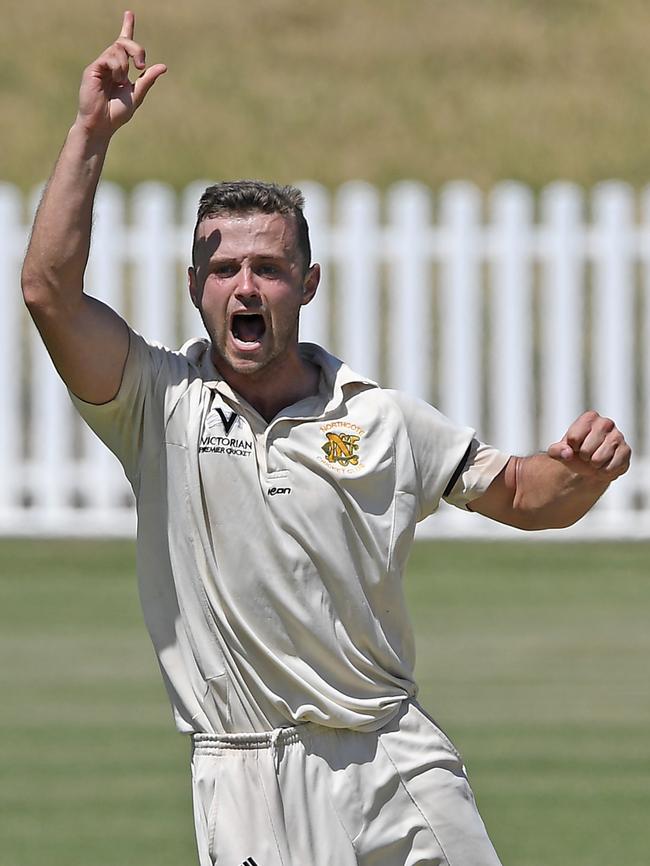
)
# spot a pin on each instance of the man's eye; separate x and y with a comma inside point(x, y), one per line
point(268, 270)
point(224, 270)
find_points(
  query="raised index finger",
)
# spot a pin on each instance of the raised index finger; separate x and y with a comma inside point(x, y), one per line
point(128, 26)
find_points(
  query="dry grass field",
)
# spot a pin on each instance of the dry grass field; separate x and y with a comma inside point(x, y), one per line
point(374, 89)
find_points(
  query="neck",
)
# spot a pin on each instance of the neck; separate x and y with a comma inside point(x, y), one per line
point(281, 383)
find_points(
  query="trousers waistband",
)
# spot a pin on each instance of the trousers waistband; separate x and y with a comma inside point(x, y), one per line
point(214, 744)
point(217, 744)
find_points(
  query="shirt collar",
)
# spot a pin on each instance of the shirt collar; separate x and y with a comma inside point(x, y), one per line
point(337, 375)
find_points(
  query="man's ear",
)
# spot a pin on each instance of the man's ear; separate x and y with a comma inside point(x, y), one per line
point(310, 283)
point(192, 286)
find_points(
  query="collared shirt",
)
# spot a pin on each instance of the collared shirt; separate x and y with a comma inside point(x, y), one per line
point(271, 554)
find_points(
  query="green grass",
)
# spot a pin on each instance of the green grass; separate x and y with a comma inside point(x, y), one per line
point(377, 89)
point(533, 657)
point(92, 770)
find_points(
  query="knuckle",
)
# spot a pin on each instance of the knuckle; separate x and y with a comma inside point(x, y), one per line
point(600, 462)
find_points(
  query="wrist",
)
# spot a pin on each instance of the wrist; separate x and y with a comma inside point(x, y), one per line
point(91, 141)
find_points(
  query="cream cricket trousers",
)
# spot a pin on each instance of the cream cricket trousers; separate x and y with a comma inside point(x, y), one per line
point(315, 796)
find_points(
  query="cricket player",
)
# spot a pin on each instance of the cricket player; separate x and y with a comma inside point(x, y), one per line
point(277, 494)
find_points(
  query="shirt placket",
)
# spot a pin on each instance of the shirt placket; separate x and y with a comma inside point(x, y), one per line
point(275, 470)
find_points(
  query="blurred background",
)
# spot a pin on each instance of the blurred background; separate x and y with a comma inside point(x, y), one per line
point(380, 90)
point(482, 164)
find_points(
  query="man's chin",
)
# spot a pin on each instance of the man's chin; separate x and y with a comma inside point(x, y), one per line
point(246, 365)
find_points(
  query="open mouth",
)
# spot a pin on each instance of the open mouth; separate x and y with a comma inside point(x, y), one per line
point(248, 327)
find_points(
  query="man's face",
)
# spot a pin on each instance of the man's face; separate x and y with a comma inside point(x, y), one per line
point(249, 283)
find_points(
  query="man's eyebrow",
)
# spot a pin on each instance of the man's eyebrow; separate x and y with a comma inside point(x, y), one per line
point(220, 259)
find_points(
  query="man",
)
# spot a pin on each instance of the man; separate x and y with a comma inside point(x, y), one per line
point(278, 494)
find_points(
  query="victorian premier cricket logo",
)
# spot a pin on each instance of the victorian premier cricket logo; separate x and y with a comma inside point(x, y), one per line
point(228, 442)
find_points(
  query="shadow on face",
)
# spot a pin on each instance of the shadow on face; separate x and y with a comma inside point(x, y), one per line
point(202, 251)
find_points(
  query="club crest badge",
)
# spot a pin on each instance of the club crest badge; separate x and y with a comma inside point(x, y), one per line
point(341, 448)
point(342, 451)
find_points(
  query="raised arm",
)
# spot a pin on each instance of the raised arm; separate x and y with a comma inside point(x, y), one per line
point(87, 340)
point(556, 489)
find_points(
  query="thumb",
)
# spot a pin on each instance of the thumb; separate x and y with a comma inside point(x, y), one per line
point(561, 451)
point(145, 82)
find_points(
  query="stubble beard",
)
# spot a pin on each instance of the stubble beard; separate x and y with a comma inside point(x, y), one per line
point(252, 368)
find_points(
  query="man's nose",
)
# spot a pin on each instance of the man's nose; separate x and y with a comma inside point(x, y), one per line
point(246, 284)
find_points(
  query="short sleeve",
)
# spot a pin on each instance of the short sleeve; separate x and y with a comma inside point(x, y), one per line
point(478, 469)
point(437, 447)
point(449, 461)
point(134, 418)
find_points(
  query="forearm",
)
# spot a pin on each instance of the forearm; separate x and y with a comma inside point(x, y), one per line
point(57, 255)
point(547, 494)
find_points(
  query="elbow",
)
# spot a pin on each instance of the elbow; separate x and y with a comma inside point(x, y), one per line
point(41, 292)
point(49, 290)
point(34, 287)
point(32, 298)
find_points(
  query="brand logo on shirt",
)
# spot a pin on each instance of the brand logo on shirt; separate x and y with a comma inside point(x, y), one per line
point(249, 862)
point(278, 491)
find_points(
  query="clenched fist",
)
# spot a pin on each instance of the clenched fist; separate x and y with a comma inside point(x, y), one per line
point(593, 446)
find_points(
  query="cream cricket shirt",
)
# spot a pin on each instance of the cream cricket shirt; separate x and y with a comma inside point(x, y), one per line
point(270, 555)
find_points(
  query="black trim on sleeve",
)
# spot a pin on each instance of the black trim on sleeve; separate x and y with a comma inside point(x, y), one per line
point(458, 471)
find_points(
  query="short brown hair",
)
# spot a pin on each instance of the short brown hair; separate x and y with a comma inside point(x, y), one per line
point(255, 196)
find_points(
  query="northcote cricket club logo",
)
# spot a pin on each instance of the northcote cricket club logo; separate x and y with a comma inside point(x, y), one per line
point(341, 448)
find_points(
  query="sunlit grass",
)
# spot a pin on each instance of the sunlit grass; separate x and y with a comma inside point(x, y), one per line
point(376, 89)
point(534, 658)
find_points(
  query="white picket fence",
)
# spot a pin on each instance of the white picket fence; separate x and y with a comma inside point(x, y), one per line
point(510, 313)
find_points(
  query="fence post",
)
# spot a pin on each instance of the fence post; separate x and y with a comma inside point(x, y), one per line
point(358, 249)
point(461, 304)
point(191, 324)
point(314, 318)
point(613, 323)
point(153, 253)
point(644, 337)
point(409, 331)
point(511, 404)
point(12, 242)
point(563, 255)
point(49, 478)
point(101, 481)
